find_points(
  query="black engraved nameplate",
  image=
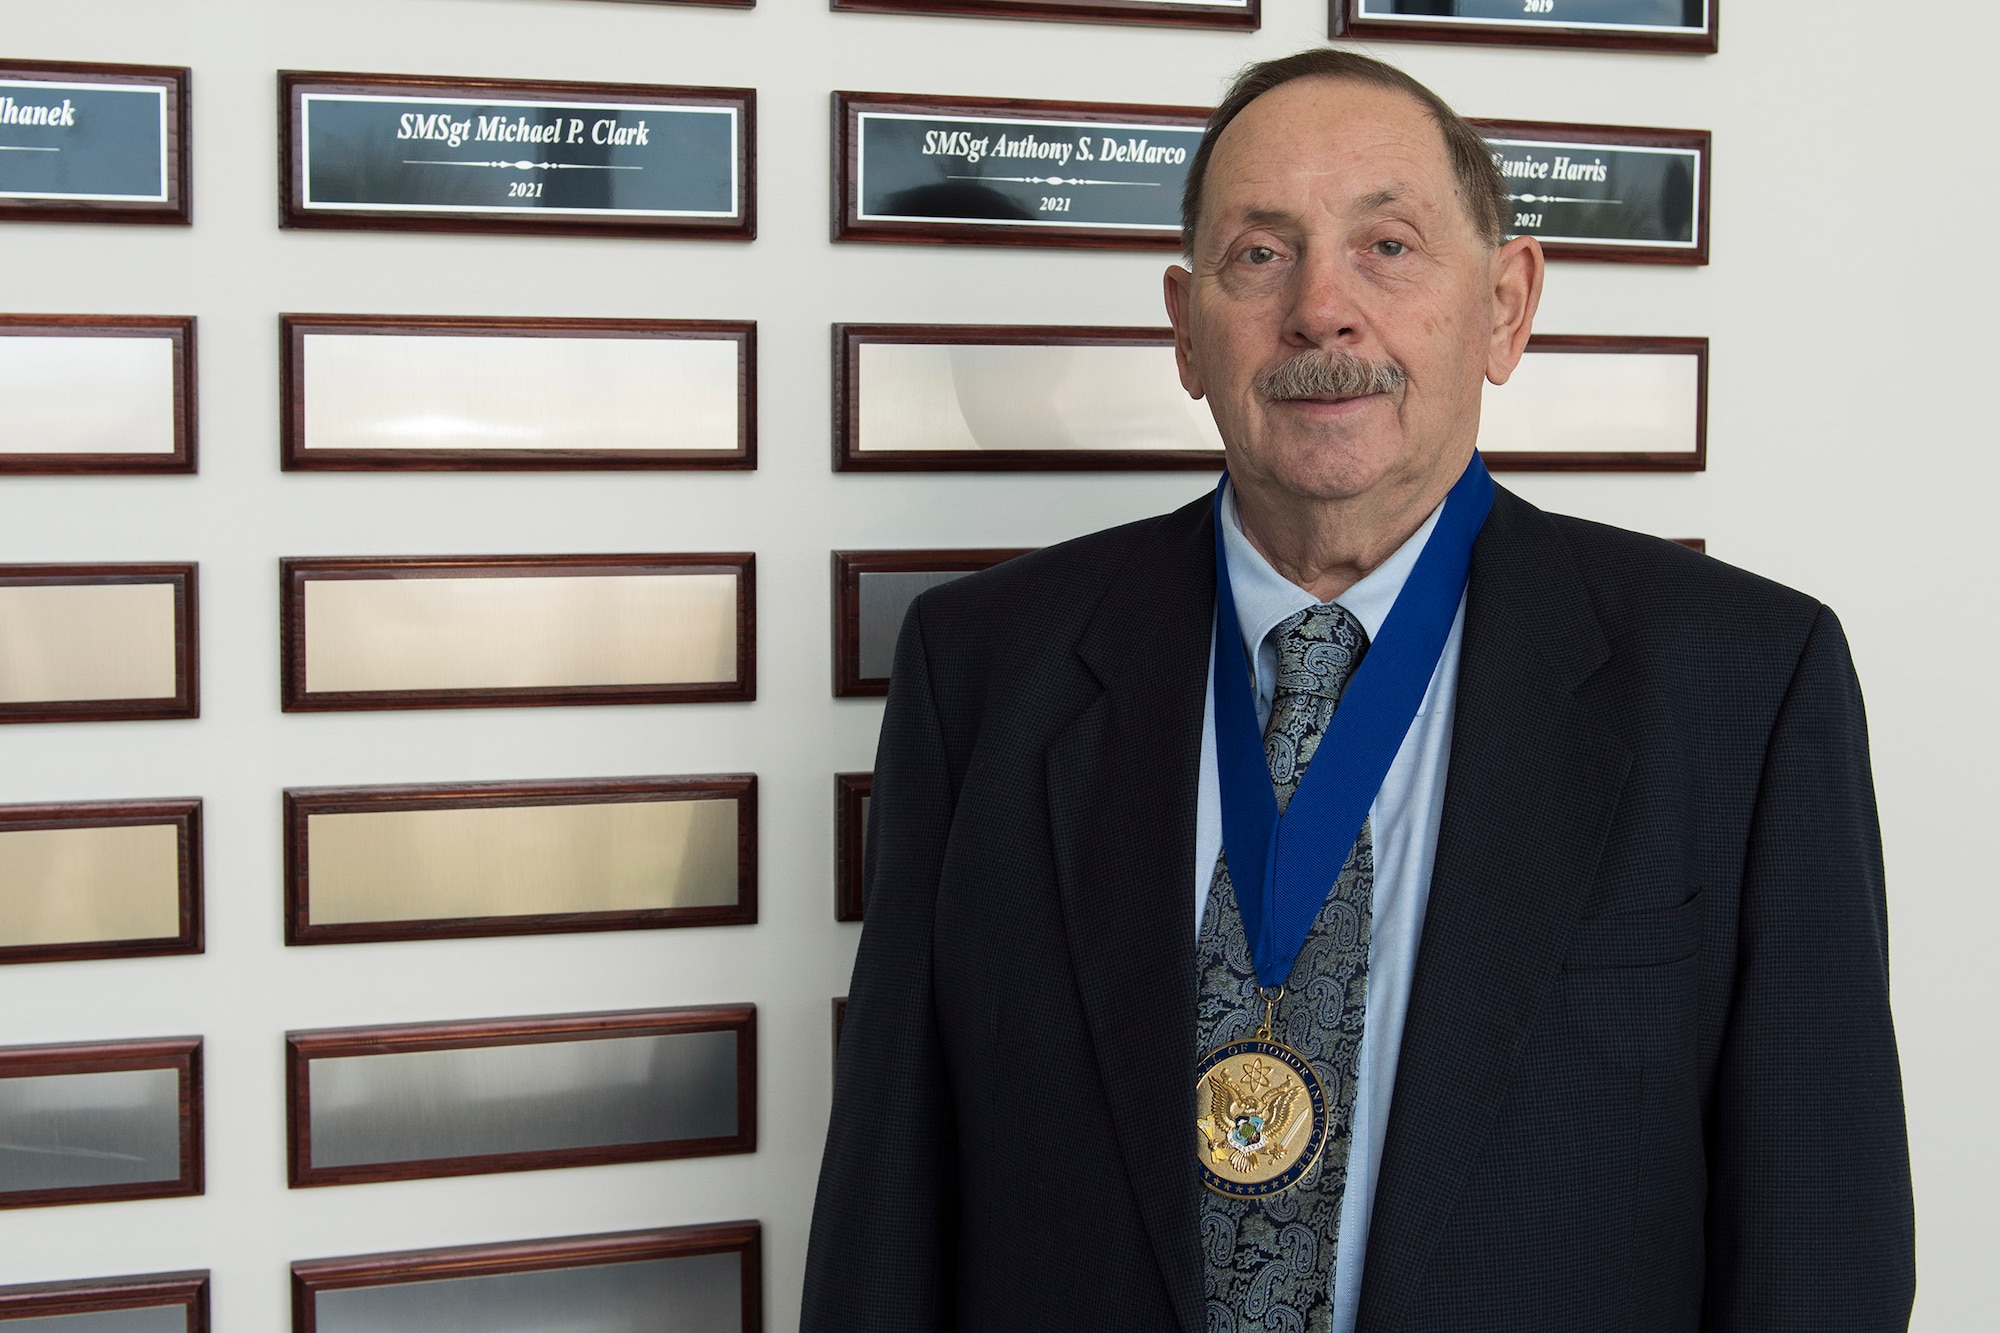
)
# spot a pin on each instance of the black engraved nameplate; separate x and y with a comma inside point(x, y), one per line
point(93, 143)
point(379, 152)
point(994, 171)
point(1605, 192)
point(1150, 13)
point(1624, 25)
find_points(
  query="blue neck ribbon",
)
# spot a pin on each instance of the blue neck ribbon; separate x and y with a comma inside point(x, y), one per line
point(1284, 866)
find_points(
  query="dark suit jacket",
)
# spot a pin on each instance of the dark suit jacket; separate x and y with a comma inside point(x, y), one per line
point(1648, 1080)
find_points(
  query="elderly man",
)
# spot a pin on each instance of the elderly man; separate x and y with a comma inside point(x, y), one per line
point(1363, 900)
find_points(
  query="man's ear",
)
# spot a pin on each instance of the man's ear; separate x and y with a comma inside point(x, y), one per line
point(1179, 288)
point(1518, 270)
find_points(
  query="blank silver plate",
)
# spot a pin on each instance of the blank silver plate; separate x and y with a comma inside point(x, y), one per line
point(400, 392)
point(71, 1131)
point(1595, 402)
point(87, 394)
point(700, 1293)
point(519, 631)
point(415, 1106)
point(884, 600)
point(981, 397)
point(71, 642)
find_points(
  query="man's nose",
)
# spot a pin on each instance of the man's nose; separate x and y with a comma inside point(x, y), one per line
point(1325, 309)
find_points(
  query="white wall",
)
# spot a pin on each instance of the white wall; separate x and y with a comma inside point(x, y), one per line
point(1849, 302)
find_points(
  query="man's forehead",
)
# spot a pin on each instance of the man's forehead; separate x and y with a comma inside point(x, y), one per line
point(1334, 145)
point(1272, 201)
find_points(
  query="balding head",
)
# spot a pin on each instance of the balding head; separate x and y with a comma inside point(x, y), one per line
point(1481, 190)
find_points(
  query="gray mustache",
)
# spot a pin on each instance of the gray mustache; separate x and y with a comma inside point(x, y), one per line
point(1335, 374)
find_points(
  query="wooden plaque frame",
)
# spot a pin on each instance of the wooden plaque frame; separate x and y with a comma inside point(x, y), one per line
point(839, 1021)
point(178, 329)
point(848, 108)
point(850, 831)
point(1617, 460)
point(849, 566)
point(1699, 142)
point(1344, 20)
point(301, 803)
point(293, 84)
point(312, 1276)
point(186, 701)
point(184, 814)
point(178, 210)
point(97, 1295)
point(295, 457)
point(1244, 17)
point(848, 456)
point(301, 1048)
point(295, 573)
point(181, 1054)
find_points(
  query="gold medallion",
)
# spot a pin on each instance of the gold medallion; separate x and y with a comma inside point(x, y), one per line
point(1260, 1115)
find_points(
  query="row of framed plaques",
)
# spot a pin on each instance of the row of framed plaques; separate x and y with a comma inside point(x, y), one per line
point(985, 398)
point(391, 393)
point(97, 1122)
point(412, 862)
point(407, 153)
point(707, 1276)
point(123, 879)
point(998, 171)
point(119, 642)
point(872, 593)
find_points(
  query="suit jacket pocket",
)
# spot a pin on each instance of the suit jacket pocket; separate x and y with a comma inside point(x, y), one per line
point(1642, 938)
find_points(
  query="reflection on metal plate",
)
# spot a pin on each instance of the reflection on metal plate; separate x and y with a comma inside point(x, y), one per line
point(78, 641)
point(67, 1131)
point(1594, 402)
point(382, 391)
point(981, 396)
point(885, 598)
point(506, 632)
point(154, 1319)
point(86, 395)
point(413, 865)
point(89, 885)
point(540, 1097)
point(699, 1293)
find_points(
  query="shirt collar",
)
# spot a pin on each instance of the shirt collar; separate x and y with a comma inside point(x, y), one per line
point(1265, 598)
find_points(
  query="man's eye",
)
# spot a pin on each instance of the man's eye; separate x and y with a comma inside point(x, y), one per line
point(1389, 249)
point(1260, 254)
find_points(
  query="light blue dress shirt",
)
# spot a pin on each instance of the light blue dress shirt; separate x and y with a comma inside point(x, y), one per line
point(1405, 814)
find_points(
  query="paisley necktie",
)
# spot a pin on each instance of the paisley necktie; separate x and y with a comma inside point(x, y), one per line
point(1270, 1260)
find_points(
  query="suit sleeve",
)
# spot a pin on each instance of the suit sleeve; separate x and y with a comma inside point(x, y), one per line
point(880, 1254)
point(1810, 1219)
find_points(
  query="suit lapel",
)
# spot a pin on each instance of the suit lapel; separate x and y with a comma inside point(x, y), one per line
point(1533, 786)
point(1122, 782)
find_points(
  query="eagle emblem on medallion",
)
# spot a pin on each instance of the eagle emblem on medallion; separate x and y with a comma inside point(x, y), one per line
point(1246, 1119)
